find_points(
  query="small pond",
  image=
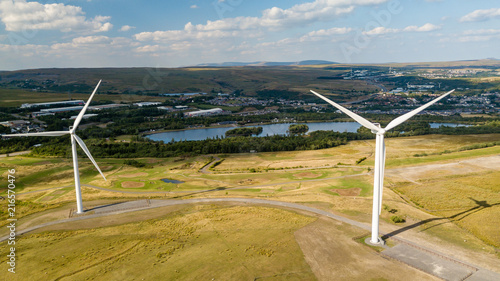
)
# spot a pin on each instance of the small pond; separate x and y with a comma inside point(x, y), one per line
point(172, 181)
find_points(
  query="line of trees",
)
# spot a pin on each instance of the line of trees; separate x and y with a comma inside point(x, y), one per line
point(147, 148)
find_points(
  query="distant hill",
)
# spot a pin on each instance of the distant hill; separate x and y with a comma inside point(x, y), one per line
point(268, 63)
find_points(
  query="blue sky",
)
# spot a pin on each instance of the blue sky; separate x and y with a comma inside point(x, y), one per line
point(126, 33)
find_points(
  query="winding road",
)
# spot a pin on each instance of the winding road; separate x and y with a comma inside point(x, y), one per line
point(410, 253)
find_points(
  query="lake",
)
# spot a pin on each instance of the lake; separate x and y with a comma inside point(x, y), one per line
point(267, 130)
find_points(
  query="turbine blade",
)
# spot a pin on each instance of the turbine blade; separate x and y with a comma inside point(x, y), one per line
point(40, 134)
point(353, 115)
point(410, 114)
point(86, 150)
point(382, 170)
point(80, 116)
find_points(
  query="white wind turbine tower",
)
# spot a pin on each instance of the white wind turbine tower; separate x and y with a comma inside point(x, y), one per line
point(378, 181)
point(74, 139)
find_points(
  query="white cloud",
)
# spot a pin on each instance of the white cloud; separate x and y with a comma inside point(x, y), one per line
point(126, 28)
point(330, 32)
point(194, 7)
point(481, 15)
point(479, 35)
point(424, 28)
point(482, 32)
point(148, 49)
point(324, 34)
point(94, 44)
point(475, 38)
point(19, 15)
point(27, 50)
point(92, 40)
point(381, 30)
point(271, 19)
point(412, 28)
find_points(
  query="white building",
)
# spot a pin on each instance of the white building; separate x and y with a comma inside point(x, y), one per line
point(44, 104)
point(40, 113)
point(207, 112)
point(146, 103)
point(166, 108)
point(61, 109)
point(85, 116)
point(106, 106)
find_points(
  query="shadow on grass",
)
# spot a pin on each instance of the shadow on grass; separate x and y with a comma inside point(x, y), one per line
point(480, 205)
point(103, 206)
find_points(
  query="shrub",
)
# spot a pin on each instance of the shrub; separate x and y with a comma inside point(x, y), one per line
point(360, 160)
point(134, 163)
point(397, 219)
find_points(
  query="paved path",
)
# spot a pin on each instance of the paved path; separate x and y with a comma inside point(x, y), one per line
point(430, 262)
point(15, 153)
point(427, 260)
point(206, 169)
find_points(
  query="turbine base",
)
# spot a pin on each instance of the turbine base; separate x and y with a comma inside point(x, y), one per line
point(379, 243)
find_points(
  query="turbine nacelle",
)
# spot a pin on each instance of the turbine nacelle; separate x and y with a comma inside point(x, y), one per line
point(74, 140)
point(375, 127)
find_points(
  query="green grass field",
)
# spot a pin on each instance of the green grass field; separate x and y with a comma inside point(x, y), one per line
point(16, 97)
point(454, 194)
point(256, 243)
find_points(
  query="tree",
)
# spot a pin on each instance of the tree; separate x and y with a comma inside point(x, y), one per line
point(298, 129)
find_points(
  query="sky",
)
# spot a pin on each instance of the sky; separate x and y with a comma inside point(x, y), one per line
point(153, 33)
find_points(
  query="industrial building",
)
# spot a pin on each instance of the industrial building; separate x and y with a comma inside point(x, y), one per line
point(146, 103)
point(49, 104)
point(40, 113)
point(85, 116)
point(61, 109)
point(208, 112)
point(107, 106)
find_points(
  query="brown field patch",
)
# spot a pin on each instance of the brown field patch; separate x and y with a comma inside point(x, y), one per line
point(492, 162)
point(288, 188)
point(58, 192)
point(347, 192)
point(416, 173)
point(133, 175)
point(46, 198)
point(306, 175)
point(132, 184)
point(106, 168)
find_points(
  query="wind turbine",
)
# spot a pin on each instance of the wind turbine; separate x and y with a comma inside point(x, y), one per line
point(74, 139)
point(378, 181)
